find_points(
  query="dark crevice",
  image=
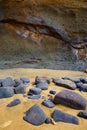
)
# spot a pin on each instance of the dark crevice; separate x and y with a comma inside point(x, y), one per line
point(41, 29)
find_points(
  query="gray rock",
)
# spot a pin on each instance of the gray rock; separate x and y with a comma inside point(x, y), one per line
point(34, 97)
point(83, 114)
point(17, 82)
point(74, 79)
point(25, 80)
point(83, 80)
point(35, 115)
point(71, 99)
point(48, 103)
point(66, 83)
point(84, 87)
point(8, 82)
point(35, 91)
point(14, 103)
point(52, 92)
point(42, 79)
point(20, 89)
point(79, 84)
point(6, 92)
point(48, 120)
point(60, 116)
point(42, 85)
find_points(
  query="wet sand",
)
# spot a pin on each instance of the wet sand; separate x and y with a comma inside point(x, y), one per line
point(12, 118)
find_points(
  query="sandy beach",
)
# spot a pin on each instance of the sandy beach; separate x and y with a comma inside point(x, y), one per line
point(12, 118)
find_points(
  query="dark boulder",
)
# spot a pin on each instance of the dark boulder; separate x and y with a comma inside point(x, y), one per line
point(8, 82)
point(71, 99)
point(60, 116)
point(48, 103)
point(34, 91)
point(25, 80)
point(14, 103)
point(42, 85)
point(20, 89)
point(6, 92)
point(66, 83)
point(83, 114)
point(35, 115)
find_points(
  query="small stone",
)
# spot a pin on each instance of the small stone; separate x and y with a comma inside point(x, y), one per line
point(42, 79)
point(66, 83)
point(6, 92)
point(71, 99)
point(79, 84)
point(52, 92)
point(42, 85)
point(20, 89)
point(83, 114)
point(48, 120)
point(60, 116)
point(34, 91)
point(35, 115)
point(48, 103)
point(83, 80)
point(84, 87)
point(14, 103)
point(34, 97)
point(17, 82)
point(8, 82)
point(25, 80)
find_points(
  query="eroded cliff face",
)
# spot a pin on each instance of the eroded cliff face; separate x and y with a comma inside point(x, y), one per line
point(49, 30)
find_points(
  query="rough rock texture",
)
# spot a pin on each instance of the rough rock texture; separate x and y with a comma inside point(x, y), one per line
point(50, 28)
point(6, 92)
point(71, 99)
point(35, 115)
point(60, 116)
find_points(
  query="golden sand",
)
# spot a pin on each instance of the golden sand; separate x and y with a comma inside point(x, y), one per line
point(12, 118)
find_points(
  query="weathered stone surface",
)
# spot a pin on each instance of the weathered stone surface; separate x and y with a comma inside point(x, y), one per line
point(83, 114)
point(34, 91)
point(8, 82)
point(42, 79)
point(71, 99)
point(14, 103)
point(48, 103)
point(60, 116)
point(35, 115)
point(20, 89)
point(25, 80)
point(42, 85)
point(65, 83)
point(6, 92)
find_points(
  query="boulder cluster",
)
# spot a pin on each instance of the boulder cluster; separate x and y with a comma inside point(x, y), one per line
point(67, 97)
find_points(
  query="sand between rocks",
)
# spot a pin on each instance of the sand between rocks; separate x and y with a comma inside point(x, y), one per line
point(12, 118)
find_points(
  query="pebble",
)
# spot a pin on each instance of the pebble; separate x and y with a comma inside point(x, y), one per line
point(34, 91)
point(52, 92)
point(83, 114)
point(48, 120)
point(42, 85)
point(48, 103)
point(14, 103)
point(21, 89)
